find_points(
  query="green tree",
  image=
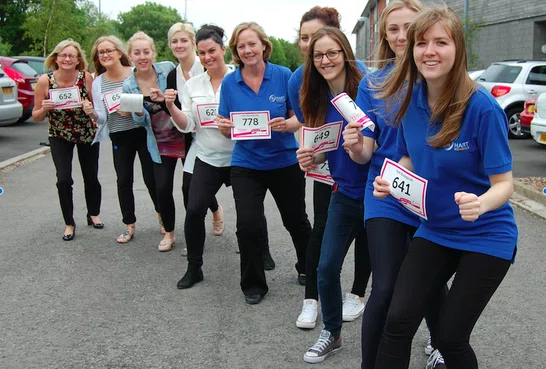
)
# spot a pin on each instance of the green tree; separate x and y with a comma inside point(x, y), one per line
point(471, 33)
point(5, 49)
point(292, 52)
point(227, 57)
point(155, 20)
point(12, 17)
point(277, 54)
point(51, 21)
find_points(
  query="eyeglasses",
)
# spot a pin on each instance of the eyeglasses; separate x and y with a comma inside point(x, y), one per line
point(108, 52)
point(331, 55)
point(69, 56)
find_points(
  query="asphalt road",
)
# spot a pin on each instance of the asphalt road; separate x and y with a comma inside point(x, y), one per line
point(92, 303)
point(529, 157)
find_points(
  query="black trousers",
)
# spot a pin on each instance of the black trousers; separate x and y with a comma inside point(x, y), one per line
point(186, 183)
point(62, 152)
point(287, 186)
point(205, 183)
point(321, 201)
point(426, 269)
point(126, 145)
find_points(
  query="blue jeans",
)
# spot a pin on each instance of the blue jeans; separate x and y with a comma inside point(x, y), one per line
point(345, 223)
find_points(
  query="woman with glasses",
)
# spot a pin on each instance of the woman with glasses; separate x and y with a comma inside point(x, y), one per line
point(112, 66)
point(259, 89)
point(182, 43)
point(353, 306)
point(164, 142)
point(330, 69)
point(70, 126)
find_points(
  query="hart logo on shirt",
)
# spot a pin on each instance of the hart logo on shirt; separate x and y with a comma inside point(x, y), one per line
point(274, 98)
point(458, 146)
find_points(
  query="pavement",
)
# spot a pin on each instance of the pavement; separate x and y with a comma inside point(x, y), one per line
point(93, 303)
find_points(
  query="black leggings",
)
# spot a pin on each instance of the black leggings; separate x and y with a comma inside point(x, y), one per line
point(164, 178)
point(388, 242)
point(186, 183)
point(62, 152)
point(321, 201)
point(426, 269)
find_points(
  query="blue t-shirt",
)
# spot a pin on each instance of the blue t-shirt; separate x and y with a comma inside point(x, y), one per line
point(385, 136)
point(349, 176)
point(480, 150)
point(294, 86)
point(236, 95)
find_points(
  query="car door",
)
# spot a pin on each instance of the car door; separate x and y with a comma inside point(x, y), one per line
point(535, 84)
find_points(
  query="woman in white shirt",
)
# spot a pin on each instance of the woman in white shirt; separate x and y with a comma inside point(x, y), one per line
point(182, 43)
point(200, 98)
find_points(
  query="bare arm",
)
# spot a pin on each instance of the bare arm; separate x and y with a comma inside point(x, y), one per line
point(359, 147)
point(42, 104)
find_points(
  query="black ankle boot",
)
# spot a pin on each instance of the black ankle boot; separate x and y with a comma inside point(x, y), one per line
point(269, 263)
point(192, 276)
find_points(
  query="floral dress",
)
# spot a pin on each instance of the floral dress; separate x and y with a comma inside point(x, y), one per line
point(71, 124)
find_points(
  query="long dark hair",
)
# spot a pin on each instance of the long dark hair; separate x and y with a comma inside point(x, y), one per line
point(314, 89)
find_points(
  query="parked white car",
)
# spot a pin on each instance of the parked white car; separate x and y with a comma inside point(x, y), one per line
point(538, 124)
point(10, 109)
point(511, 83)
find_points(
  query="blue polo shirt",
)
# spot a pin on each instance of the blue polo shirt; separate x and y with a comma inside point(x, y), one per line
point(480, 150)
point(294, 86)
point(385, 135)
point(236, 95)
point(349, 176)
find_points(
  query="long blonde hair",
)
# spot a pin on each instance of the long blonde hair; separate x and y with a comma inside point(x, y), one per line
point(51, 60)
point(384, 53)
point(118, 45)
point(453, 100)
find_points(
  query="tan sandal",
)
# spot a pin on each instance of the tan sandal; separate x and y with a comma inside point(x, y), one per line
point(127, 235)
point(161, 227)
point(218, 225)
point(166, 244)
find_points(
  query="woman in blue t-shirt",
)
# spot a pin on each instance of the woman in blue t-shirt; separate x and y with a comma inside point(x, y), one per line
point(256, 96)
point(330, 69)
point(353, 305)
point(455, 136)
point(389, 225)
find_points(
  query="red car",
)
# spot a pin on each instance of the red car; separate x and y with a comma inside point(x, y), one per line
point(527, 115)
point(25, 77)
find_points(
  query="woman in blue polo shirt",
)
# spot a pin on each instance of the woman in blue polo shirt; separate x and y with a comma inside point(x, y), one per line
point(353, 306)
point(455, 136)
point(259, 86)
point(389, 225)
point(330, 69)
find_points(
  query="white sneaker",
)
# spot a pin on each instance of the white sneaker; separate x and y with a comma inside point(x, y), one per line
point(352, 307)
point(308, 315)
point(428, 347)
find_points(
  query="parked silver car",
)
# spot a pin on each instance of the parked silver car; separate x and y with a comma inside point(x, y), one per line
point(513, 82)
point(10, 109)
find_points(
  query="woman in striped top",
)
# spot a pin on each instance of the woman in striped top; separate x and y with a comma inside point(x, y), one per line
point(113, 66)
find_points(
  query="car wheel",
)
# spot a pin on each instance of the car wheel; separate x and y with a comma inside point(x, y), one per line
point(514, 125)
point(25, 117)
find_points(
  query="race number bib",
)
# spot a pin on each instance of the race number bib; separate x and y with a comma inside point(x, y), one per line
point(322, 139)
point(250, 125)
point(66, 98)
point(321, 174)
point(112, 99)
point(206, 113)
point(407, 187)
point(351, 112)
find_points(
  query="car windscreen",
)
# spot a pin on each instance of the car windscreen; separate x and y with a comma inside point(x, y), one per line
point(38, 66)
point(500, 73)
point(23, 68)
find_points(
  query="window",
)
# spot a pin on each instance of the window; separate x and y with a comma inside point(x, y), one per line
point(500, 73)
point(537, 76)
